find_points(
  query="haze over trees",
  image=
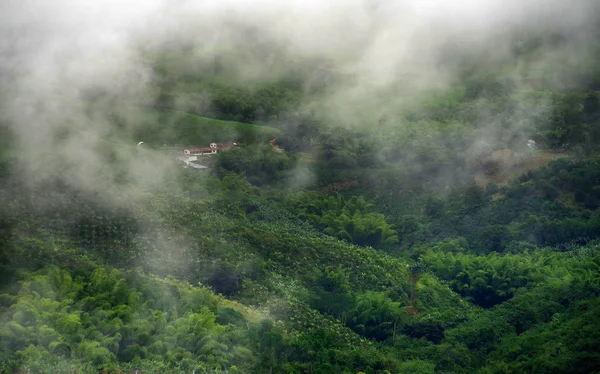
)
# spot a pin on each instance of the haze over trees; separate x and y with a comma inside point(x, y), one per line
point(384, 209)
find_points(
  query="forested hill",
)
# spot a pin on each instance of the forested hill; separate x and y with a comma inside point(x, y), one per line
point(430, 217)
point(89, 287)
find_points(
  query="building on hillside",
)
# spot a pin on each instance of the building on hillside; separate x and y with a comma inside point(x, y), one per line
point(211, 150)
point(198, 151)
point(191, 156)
point(275, 146)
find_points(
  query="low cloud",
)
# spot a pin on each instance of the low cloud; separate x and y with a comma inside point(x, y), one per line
point(55, 54)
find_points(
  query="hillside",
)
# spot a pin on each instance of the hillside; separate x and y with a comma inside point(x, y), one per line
point(65, 307)
point(429, 203)
point(158, 127)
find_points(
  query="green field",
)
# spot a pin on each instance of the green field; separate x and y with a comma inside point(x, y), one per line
point(158, 127)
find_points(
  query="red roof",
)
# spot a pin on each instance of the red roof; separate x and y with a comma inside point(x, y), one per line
point(200, 149)
point(275, 146)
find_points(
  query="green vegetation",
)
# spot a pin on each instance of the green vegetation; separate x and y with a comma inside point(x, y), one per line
point(261, 164)
point(303, 300)
point(348, 251)
point(351, 220)
point(160, 127)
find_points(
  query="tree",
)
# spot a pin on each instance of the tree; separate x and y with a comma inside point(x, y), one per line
point(261, 164)
point(348, 219)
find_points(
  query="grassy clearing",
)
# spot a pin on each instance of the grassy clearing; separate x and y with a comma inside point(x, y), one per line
point(159, 127)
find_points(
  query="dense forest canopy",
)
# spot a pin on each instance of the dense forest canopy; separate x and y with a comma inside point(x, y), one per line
point(399, 187)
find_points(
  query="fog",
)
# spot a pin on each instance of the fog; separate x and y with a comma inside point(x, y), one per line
point(52, 54)
point(75, 73)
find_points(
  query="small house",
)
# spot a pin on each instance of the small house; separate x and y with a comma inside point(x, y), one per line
point(275, 146)
point(211, 150)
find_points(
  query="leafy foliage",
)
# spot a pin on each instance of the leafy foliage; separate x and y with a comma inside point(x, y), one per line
point(418, 267)
point(352, 220)
point(261, 164)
